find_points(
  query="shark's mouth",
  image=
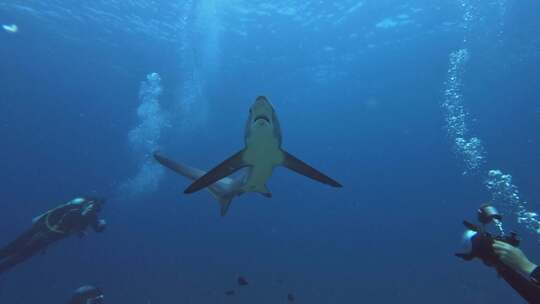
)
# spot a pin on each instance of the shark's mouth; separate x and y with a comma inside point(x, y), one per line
point(262, 117)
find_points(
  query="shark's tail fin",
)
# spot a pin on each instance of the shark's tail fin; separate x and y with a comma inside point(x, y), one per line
point(191, 173)
point(218, 189)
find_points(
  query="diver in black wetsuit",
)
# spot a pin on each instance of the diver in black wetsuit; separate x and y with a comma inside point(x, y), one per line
point(61, 222)
point(502, 253)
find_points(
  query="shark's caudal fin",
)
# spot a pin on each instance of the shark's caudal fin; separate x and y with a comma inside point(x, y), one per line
point(218, 190)
point(226, 168)
point(186, 171)
point(300, 167)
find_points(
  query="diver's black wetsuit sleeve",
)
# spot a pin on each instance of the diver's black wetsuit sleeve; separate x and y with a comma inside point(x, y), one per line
point(526, 289)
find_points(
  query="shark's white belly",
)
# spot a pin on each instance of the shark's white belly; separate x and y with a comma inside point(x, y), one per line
point(263, 154)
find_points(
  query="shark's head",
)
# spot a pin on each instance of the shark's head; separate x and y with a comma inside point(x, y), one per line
point(261, 113)
point(263, 118)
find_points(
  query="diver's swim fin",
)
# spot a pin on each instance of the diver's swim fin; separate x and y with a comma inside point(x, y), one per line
point(226, 168)
point(300, 167)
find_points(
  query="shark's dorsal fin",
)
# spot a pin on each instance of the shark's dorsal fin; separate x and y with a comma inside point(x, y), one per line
point(300, 167)
point(226, 168)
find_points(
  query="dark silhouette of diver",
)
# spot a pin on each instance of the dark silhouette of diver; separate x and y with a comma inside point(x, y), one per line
point(72, 218)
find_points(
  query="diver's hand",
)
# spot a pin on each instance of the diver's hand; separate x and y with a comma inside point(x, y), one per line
point(513, 257)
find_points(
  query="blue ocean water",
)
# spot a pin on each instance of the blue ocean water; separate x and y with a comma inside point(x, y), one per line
point(361, 89)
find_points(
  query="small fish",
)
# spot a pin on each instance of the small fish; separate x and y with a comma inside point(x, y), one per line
point(230, 292)
point(242, 281)
point(290, 297)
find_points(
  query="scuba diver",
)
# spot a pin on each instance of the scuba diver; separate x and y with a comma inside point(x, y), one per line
point(87, 295)
point(501, 252)
point(72, 218)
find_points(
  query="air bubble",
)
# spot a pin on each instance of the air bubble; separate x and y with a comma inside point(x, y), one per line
point(144, 138)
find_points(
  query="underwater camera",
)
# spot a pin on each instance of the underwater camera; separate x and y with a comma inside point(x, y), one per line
point(478, 241)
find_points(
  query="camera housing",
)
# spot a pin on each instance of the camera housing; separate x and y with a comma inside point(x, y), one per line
point(481, 241)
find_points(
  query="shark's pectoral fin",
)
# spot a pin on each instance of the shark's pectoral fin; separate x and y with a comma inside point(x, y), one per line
point(226, 168)
point(300, 167)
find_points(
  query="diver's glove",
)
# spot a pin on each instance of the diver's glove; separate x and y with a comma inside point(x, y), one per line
point(514, 258)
